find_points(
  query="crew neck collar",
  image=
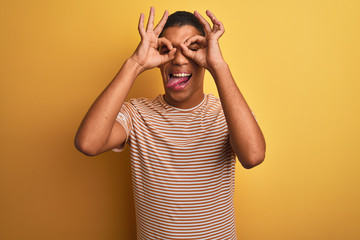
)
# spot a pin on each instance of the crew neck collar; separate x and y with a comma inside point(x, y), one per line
point(168, 106)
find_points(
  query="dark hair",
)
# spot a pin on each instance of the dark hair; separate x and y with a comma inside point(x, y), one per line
point(181, 18)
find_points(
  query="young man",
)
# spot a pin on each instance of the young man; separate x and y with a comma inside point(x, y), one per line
point(183, 143)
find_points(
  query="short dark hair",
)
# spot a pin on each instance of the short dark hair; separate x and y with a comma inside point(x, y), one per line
point(181, 18)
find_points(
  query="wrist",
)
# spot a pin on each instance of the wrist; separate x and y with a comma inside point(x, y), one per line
point(135, 65)
point(218, 67)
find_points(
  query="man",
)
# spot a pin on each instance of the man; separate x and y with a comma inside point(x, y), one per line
point(183, 143)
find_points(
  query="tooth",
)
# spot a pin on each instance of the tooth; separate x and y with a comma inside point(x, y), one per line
point(181, 74)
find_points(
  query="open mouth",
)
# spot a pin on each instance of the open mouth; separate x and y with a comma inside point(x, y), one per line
point(178, 81)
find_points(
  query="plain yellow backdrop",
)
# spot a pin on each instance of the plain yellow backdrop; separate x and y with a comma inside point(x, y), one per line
point(296, 62)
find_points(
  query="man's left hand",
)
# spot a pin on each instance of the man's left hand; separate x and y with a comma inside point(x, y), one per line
point(209, 56)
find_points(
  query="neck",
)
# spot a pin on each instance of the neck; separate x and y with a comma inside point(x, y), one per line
point(195, 100)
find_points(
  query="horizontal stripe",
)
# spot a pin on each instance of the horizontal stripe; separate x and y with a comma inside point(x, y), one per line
point(182, 169)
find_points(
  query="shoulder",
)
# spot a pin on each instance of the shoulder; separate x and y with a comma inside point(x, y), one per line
point(213, 102)
point(212, 98)
point(141, 101)
point(144, 105)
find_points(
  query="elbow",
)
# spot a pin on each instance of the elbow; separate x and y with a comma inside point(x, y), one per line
point(252, 160)
point(84, 147)
point(253, 156)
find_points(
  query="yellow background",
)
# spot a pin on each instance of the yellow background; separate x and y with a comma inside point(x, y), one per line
point(296, 62)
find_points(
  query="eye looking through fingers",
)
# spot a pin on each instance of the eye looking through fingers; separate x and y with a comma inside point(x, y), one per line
point(163, 50)
point(194, 46)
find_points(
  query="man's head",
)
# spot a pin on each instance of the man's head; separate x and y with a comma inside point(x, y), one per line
point(181, 18)
point(182, 77)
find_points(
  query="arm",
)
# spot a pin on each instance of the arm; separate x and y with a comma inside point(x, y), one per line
point(246, 137)
point(99, 131)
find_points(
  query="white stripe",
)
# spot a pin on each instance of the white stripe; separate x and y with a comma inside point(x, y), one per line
point(182, 169)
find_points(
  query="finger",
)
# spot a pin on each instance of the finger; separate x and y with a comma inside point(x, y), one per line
point(150, 24)
point(187, 52)
point(196, 39)
point(165, 42)
point(218, 28)
point(213, 18)
point(141, 25)
point(159, 27)
point(169, 56)
point(203, 22)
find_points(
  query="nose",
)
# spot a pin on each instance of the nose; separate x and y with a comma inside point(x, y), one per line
point(179, 58)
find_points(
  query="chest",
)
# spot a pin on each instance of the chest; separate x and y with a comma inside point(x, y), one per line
point(181, 126)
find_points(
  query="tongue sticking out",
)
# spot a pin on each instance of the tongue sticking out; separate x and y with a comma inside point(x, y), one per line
point(176, 81)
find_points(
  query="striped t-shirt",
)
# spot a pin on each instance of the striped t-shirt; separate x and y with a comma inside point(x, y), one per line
point(182, 169)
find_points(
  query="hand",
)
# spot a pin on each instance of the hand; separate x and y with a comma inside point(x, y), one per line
point(147, 54)
point(209, 56)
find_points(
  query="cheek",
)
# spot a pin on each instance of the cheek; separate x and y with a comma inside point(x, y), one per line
point(199, 73)
point(162, 71)
point(163, 75)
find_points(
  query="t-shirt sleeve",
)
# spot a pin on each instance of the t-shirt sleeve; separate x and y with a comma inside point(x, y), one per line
point(125, 118)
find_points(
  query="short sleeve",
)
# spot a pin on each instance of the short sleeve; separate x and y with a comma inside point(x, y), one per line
point(125, 118)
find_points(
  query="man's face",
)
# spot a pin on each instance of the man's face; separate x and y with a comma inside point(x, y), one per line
point(182, 78)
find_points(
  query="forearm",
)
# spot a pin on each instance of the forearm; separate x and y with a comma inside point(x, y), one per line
point(97, 124)
point(246, 137)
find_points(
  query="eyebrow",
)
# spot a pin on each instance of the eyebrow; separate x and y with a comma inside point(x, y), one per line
point(193, 42)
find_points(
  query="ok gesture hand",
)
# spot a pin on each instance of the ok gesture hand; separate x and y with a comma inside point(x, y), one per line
point(147, 54)
point(209, 56)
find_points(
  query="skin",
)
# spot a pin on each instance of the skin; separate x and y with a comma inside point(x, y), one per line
point(99, 130)
point(193, 93)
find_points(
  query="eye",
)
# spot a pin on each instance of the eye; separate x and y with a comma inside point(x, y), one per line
point(193, 49)
point(194, 46)
point(163, 50)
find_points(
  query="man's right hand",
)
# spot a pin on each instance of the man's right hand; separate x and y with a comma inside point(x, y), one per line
point(147, 54)
point(99, 131)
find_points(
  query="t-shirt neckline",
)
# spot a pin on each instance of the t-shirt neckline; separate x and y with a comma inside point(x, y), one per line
point(182, 109)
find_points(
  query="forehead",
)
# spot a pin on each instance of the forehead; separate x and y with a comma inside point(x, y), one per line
point(178, 35)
